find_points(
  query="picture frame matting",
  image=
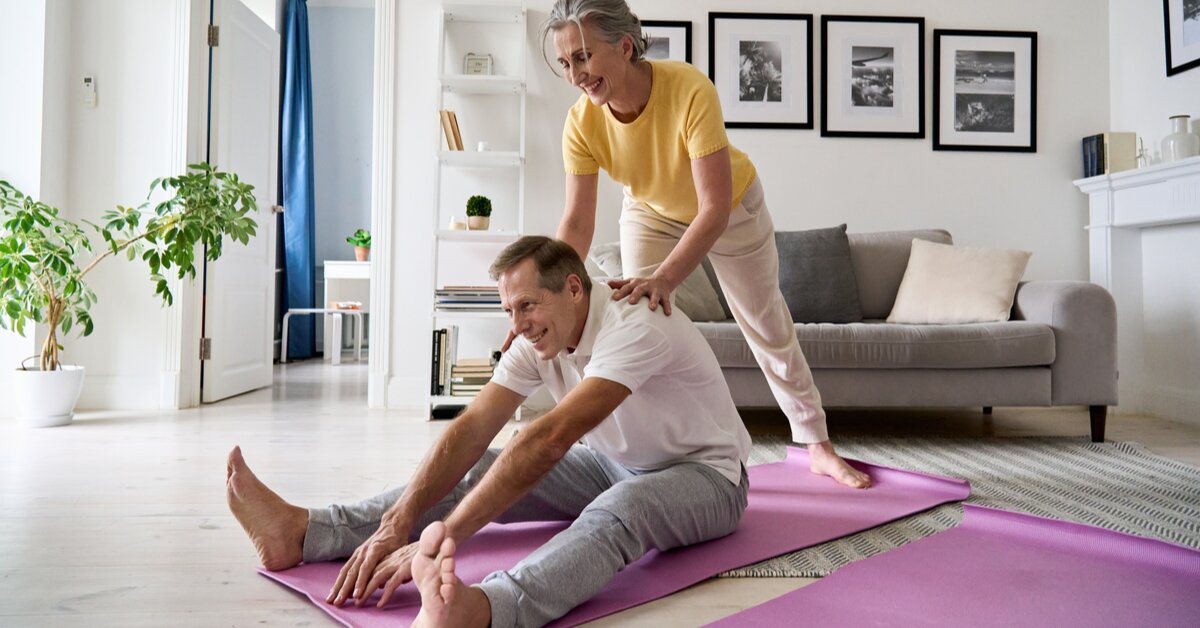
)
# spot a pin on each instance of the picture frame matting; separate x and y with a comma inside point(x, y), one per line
point(761, 64)
point(872, 76)
point(985, 90)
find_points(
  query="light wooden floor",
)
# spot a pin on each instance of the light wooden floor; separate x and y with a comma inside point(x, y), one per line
point(120, 519)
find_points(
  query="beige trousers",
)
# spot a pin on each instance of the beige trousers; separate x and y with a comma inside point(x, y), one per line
point(747, 266)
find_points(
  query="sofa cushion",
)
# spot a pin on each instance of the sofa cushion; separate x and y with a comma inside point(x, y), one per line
point(816, 276)
point(696, 296)
point(946, 284)
point(879, 261)
point(876, 344)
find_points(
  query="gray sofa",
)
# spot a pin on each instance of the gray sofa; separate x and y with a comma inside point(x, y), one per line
point(1058, 349)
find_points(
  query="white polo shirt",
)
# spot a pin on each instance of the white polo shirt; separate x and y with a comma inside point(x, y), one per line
point(680, 409)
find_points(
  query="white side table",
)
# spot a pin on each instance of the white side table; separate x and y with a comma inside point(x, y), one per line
point(344, 281)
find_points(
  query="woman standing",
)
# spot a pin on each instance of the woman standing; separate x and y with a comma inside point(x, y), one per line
point(656, 127)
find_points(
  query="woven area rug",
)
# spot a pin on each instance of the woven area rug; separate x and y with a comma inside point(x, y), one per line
point(1117, 486)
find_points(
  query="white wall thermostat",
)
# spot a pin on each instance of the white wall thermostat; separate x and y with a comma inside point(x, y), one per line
point(89, 91)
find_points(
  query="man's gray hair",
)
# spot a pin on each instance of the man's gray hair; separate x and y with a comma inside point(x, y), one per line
point(612, 18)
point(555, 261)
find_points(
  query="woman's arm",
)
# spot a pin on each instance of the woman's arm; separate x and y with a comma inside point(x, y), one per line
point(713, 176)
point(578, 223)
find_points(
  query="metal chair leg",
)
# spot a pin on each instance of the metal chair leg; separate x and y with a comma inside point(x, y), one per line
point(283, 347)
point(358, 336)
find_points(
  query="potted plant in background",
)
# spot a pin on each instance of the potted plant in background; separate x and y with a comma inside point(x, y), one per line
point(43, 278)
point(361, 241)
point(479, 211)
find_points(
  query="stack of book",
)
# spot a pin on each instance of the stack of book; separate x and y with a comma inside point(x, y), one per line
point(467, 298)
point(469, 375)
point(1106, 153)
point(445, 347)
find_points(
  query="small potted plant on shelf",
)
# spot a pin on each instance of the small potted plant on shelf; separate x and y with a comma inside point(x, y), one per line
point(43, 268)
point(479, 211)
point(361, 241)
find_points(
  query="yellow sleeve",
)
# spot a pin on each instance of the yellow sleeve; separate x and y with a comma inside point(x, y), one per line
point(704, 126)
point(577, 158)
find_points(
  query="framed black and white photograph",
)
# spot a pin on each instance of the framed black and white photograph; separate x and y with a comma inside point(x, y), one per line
point(985, 90)
point(1181, 23)
point(761, 64)
point(668, 40)
point(872, 76)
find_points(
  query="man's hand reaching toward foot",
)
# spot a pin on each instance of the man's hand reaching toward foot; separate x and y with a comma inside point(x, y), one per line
point(384, 559)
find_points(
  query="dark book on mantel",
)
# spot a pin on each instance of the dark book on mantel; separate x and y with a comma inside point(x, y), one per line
point(1107, 153)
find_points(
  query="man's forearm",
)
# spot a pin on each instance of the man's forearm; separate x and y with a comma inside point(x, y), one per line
point(522, 464)
point(444, 466)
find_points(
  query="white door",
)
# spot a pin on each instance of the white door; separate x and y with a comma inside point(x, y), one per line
point(239, 292)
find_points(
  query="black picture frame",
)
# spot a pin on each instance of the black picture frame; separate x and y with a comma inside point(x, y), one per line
point(872, 76)
point(1181, 33)
point(675, 30)
point(742, 48)
point(987, 99)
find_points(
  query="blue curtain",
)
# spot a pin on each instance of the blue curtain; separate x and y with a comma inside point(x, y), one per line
point(297, 172)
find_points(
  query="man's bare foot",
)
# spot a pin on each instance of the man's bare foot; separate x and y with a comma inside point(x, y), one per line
point(274, 526)
point(822, 460)
point(445, 600)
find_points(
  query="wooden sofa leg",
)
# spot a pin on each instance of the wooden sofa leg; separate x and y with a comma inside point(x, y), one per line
point(987, 409)
point(1099, 413)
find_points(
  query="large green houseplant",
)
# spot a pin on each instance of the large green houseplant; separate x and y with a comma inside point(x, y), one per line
point(45, 258)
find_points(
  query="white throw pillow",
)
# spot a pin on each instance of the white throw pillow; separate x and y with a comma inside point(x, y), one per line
point(945, 284)
point(696, 296)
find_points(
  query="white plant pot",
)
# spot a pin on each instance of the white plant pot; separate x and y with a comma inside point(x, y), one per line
point(47, 398)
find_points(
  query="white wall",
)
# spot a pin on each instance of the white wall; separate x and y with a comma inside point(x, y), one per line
point(1143, 96)
point(989, 199)
point(27, 33)
point(116, 149)
point(341, 42)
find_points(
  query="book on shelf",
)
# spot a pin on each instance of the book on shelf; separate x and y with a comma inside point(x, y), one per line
point(1107, 153)
point(450, 129)
point(467, 362)
point(445, 346)
point(471, 371)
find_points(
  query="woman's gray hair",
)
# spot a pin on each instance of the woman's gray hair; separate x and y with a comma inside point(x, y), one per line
point(612, 18)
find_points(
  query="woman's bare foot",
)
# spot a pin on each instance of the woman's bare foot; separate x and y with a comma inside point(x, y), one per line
point(274, 526)
point(822, 460)
point(445, 600)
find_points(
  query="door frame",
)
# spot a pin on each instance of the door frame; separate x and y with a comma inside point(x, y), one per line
point(181, 346)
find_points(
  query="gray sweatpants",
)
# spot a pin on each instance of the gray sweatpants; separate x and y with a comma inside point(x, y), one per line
point(618, 515)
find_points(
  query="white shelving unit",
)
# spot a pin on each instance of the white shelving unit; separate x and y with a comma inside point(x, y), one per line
point(489, 108)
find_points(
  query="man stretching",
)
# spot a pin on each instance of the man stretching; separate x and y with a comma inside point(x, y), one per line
point(643, 450)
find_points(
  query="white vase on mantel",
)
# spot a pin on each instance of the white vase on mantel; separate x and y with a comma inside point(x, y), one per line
point(1181, 143)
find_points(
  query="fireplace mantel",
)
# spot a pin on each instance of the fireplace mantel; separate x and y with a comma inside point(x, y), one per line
point(1121, 207)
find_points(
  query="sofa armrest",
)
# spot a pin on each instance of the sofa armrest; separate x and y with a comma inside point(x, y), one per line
point(1084, 319)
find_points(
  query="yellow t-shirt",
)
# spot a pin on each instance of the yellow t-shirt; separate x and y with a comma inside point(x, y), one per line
point(652, 155)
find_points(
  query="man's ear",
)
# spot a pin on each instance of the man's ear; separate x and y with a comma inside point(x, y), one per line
point(575, 285)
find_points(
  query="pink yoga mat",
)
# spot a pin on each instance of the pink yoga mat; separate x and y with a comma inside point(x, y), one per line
point(1002, 569)
point(789, 508)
